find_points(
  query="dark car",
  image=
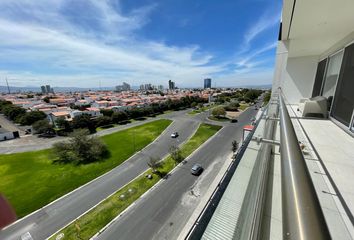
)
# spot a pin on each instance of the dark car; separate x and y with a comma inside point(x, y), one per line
point(174, 135)
point(234, 120)
point(197, 169)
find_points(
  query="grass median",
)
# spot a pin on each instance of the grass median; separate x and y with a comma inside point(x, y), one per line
point(30, 180)
point(202, 109)
point(90, 223)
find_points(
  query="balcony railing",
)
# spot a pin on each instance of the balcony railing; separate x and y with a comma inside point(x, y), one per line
point(301, 210)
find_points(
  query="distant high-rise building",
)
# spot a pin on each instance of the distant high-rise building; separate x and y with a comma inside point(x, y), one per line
point(160, 87)
point(47, 88)
point(124, 87)
point(171, 85)
point(52, 90)
point(147, 86)
point(43, 89)
point(142, 87)
point(207, 83)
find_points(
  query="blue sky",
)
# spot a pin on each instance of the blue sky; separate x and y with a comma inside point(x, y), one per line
point(82, 42)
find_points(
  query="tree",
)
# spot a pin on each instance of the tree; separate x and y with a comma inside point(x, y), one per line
point(136, 112)
point(252, 94)
point(13, 112)
point(120, 116)
point(81, 148)
point(107, 112)
point(46, 99)
point(63, 124)
point(193, 104)
point(234, 145)
point(103, 121)
point(267, 97)
point(176, 154)
point(84, 121)
point(31, 117)
point(233, 106)
point(43, 126)
point(154, 164)
point(218, 112)
point(4, 103)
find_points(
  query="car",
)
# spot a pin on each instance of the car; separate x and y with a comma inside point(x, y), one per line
point(197, 169)
point(234, 120)
point(174, 135)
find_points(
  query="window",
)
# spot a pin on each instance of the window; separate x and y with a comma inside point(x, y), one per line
point(331, 78)
point(321, 68)
point(343, 103)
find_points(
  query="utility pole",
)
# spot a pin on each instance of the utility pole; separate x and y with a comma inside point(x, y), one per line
point(7, 83)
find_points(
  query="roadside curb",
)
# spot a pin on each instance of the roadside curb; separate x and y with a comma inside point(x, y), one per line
point(82, 186)
point(156, 184)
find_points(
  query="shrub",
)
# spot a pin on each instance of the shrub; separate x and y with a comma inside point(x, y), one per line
point(218, 112)
point(81, 148)
point(43, 126)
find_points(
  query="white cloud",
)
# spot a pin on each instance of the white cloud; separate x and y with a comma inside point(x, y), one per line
point(69, 48)
point(266, 21)
point(68, 53)
point(247, 59)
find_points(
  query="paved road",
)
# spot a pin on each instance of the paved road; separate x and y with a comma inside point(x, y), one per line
point(162, 213)
point(8, 125)
point(32, 143)
point(51, 218)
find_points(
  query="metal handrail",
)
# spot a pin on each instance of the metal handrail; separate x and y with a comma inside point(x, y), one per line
point(301, 210)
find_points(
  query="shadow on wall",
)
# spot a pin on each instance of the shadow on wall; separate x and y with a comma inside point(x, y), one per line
point(299, 78)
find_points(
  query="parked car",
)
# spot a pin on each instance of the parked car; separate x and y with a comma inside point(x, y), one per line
point(234, 120)
point(197, 169)
point(174, 135)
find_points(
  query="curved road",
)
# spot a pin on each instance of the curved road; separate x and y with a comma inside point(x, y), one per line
point(44, 222)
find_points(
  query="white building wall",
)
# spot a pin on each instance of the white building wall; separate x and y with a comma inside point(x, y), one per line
point(6, 136)
point(295, 75)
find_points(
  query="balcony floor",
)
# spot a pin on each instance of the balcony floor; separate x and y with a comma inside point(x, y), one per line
point(335, 149)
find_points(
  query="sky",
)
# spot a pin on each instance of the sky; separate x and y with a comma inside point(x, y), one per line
point(84, 43)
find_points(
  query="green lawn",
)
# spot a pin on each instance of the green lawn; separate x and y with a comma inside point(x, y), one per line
point(30, 180)
point(202, 109)
point(89, 224)
point(243, 106)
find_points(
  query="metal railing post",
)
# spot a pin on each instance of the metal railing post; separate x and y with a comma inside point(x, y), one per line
point(302, 215)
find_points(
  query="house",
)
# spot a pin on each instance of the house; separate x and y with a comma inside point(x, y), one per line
point(53, 116)
point(93, 112)
point(100, 104)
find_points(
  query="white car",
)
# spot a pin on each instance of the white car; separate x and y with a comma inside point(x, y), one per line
point(174, 135)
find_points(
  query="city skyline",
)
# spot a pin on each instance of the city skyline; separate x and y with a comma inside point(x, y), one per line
point(138, 42)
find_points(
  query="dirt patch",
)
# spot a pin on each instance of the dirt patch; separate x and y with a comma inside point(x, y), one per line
point(233, 114)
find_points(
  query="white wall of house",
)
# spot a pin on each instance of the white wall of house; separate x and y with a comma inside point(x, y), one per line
point(75, 113)
point(6, 136)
